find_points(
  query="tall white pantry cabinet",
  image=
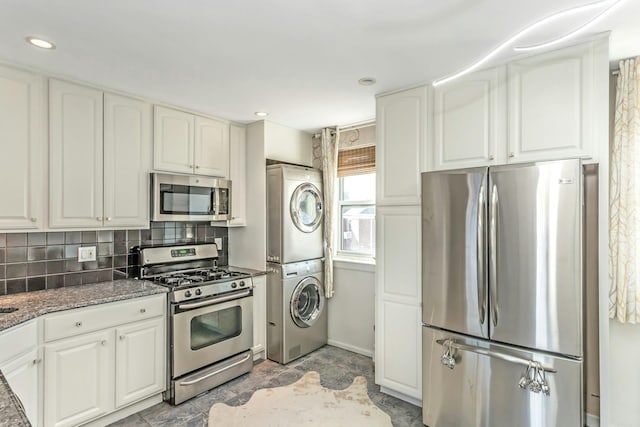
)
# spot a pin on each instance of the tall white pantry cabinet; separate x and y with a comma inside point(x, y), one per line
point(401, 121)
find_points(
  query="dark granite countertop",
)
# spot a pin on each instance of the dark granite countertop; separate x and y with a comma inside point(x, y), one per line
point(250, 271)
point(33, 304)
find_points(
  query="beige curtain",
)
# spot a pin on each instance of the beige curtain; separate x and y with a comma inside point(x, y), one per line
point(329, 171)
point(624, 197)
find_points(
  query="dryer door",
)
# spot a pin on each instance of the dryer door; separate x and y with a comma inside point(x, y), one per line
point(307, 302)
point(306, 207)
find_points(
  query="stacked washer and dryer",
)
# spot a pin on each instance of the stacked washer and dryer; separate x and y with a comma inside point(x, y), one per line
point(296, 307)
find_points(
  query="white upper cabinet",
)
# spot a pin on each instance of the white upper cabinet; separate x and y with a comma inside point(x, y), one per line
point(75, 155)
point(543, 107)
point(401, 130)
point(22, 148)
point(186, 143)
point(469, 126)
point(127, 161)
point(551, 101)
point(211, 147)
point(173, 140)
point(238, 175)
point(99, 158)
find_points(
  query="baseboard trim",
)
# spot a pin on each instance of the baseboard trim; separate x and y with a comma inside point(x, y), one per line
point(125, 412)
point(353, 348)
point(592, 420)
point(401, 396)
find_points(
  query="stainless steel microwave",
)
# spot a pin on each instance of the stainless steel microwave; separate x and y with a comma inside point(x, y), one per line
point(190, 198)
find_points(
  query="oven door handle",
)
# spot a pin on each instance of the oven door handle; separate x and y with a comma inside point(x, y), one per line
point(210, 374)
point(214, 300)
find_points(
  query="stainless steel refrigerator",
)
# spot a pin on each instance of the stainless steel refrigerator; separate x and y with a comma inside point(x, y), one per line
point(502, 295)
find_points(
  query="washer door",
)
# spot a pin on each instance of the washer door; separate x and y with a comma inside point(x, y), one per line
point(306, 207)
point(307, 302)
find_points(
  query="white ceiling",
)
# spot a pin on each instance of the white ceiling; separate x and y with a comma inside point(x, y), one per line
point(297, 59)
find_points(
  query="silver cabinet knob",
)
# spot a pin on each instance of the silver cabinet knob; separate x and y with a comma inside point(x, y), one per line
point(491, 157)
point(143, 310)
point(78, 324)
point(98, 218)
point(103, 342)
point(108, 218)
point(36, 361)
point(511, 154)
point(33, 219)
point(197, 166)
point(122, 337)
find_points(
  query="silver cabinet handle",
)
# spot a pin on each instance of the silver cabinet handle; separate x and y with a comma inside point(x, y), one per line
point(122, 337)
point(491, 157)
point(480, 242)
point(197, 166)
point(98, 218)
point(78, 324)
point(511, 154)
point(143, 310)
point(103, 342)
point(33, 219)
point(36, 361)
point(493, 253)
point(108, 218)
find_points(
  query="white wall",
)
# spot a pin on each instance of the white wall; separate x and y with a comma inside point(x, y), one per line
point(624, 402)
point(350, 310)
point(287, 145)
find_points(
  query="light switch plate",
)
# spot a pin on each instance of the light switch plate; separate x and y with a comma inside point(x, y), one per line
point(86, 253)
point(218, 242)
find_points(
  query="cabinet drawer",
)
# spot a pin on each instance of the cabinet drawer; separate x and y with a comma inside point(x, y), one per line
point(18, 340)
point(80, 321)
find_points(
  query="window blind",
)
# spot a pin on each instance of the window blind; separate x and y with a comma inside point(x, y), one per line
point(357, 161)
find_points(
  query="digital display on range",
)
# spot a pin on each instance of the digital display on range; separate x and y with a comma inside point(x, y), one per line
point(176, 253)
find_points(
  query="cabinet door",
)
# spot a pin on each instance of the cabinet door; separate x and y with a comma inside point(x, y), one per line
point(78, 378)
point(211, 147)
point(173, 140)
point(127, 161)
point(259, 316)
point(238, 174)
point(398, 299)
point(551, 98)
point(401, 130)
point(470, 121)
point(75, 155)
point(22, 376)
point(22, 148)
point(140, 361)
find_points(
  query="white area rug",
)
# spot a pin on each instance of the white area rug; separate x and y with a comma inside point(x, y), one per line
point(303, 403)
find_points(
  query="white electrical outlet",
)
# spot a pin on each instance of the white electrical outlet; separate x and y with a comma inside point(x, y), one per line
point(86, 253)
point(218, 242)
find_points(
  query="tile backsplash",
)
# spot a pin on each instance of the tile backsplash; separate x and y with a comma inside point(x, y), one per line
point(36, 261)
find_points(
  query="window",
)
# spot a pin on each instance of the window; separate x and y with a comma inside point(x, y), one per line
point(356, 205)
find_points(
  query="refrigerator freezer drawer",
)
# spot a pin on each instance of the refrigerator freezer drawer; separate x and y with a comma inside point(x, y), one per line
point(482, 388)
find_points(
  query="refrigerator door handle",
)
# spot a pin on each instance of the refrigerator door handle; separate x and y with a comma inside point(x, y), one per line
point(493, 249)
point(449, 343)
point(481, 257)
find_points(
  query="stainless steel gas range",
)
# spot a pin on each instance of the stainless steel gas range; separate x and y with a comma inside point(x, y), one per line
point(210, 317)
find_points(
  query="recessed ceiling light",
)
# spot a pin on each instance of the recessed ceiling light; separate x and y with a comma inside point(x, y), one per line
point(41, 43)
point(367, 81)
point(261, 113)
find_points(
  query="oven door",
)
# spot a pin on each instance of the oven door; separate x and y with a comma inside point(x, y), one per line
point(205, 332)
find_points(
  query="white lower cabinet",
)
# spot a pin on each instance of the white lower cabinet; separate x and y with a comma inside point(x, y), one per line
point(99, 359)
point(398, 348)
point(140, 361)
point(20, 365)
point(259, 317)
point(78, 378)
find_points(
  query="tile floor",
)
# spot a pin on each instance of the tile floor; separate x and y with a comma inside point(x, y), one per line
point(337, 370)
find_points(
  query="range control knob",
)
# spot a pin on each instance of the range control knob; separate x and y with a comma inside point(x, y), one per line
point(198, 291)
point(187, 294)
point(242, 283)
point(234, 285)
